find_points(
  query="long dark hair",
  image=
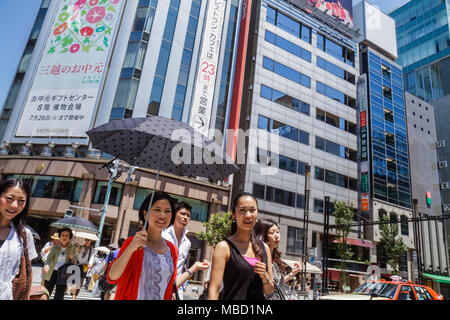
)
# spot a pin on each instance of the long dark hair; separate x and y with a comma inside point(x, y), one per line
point(19, 221)
point(159, 195)
point(254, 241)
point(261, 230)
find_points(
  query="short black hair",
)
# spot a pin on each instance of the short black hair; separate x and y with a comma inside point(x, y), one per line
point(65, 229)
point(182, 204)
point(121, 241)
point(159, 195)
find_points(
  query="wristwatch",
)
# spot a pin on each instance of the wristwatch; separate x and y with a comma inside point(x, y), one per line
point(189, 272)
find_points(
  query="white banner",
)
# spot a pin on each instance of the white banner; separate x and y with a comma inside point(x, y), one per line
point(201, 109)
point(65, 88)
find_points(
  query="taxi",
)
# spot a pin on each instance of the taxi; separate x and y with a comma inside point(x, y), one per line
point(395, 289)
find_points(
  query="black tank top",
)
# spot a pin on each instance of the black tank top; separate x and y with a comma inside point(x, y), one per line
point(240, 282)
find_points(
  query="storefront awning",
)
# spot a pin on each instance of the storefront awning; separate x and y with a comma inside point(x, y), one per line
point(309, 267)
point(437, 278)
point(357, 242)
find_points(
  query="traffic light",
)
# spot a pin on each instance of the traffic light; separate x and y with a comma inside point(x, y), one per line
point(428, 194)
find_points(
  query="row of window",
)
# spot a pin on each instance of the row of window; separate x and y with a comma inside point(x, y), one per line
point(393, 218)
point(163, 58)
point(334, 69)
point(269, 158)
point(335, 178)
point(335, 121)
point(53, 187)
point(336, 149)
point(283, 130)
point(288, 46)
point(285, 100)
point(288, 24)
point(335, 95)
point(304, 80)
point(280, 196)
point(180, 93)
point(133, 62)
point(286, 72)
point(304, 32)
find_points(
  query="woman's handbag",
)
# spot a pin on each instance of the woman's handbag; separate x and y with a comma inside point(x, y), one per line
point(64, 273)
point(21, 284)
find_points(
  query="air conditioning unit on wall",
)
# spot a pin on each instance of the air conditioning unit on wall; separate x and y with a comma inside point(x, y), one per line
point(440, 144)
point(445, 185)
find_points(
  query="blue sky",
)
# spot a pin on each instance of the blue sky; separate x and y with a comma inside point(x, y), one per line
point(17, 18)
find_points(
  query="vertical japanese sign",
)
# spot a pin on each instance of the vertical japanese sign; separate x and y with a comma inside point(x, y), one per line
point(363, 138)
point(64, 92)
point(201, 109)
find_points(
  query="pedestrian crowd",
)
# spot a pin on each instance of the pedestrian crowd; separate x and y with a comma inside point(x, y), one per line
point(152, 264)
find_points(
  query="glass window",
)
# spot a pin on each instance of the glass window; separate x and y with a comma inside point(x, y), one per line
point(304, 137)
point(288, 164)
point(318, 205)
point(404, 225)
point(258, 191)
point(300, 203)
point(271, 15)
point(295, 240)
point(330, 177)
point(266, 92)
point(406, 293)
point(306, 33)
point(301, 166)
point(320, 143)
point(288, 24)
point(115, 195)
point(422, 293)
point(319, 174)
point(263, 123)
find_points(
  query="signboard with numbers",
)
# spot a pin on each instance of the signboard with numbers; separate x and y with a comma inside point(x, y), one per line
point(66, 85)
point(200, 115)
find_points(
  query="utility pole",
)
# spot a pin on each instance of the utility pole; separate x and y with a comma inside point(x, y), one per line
point(305, 226)
point(417, 242)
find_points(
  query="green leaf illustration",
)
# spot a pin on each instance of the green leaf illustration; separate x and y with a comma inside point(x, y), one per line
point(87, 48)
point(105, 41)
point(83, 12)
point(111, 8)
point(67, 41)
point(103, 1)
point(64, 50)
point(51, 50)
point(108, 31)
point(99, 49)
point(64, 8)
point(86, 40)
point(58, 39)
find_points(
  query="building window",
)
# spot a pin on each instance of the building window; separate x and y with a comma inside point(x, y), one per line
point(115, 196)
point(288, 24)
point(318, 205)
point(286, 72)
point(295, 241)
point(404, 225)
point(288, 46)
point(284, 100)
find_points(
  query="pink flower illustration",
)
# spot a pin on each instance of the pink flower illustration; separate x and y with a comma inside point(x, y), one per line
point(114, 1)
point(79, 4)
point(95, 14)
point(74, 48)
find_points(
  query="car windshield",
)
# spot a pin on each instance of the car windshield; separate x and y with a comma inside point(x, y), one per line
point(378, 289)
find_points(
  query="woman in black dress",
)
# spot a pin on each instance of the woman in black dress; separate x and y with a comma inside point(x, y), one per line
point(241, 261)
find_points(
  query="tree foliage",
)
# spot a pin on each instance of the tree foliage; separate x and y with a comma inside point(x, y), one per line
point(393, 246)
point(344, 216)
point(217, 229)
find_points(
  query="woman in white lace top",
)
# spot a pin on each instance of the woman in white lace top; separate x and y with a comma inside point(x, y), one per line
point(14, 201)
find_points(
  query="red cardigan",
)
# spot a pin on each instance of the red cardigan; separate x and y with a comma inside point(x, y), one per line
point(128, 283)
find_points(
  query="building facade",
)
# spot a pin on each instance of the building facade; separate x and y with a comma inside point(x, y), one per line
point(431, 242)
point(384, 136)
point(89, 62)
point(299, 110)
point(424, 52)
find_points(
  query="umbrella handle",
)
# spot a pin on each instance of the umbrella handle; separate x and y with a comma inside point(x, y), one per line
point(151, 201)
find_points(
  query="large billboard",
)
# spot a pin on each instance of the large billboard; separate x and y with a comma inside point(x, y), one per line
point(66, 85)
point(200, 115)
point(340, 9)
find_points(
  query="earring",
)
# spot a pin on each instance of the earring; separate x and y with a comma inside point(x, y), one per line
point(234, 220)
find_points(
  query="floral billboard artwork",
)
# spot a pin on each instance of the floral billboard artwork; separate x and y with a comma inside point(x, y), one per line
point(66, 84)
point(340, 9)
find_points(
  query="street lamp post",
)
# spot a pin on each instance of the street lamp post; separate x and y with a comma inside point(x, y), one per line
point(113, 172)
point(305, 226)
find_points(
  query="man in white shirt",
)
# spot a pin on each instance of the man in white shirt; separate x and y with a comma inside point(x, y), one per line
point(177, 234)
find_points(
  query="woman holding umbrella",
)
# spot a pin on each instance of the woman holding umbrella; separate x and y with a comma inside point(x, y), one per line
point(60, 254)
point(14, 202)
point(146, 266)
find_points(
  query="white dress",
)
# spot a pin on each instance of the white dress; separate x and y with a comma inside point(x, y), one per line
point(10, 253)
